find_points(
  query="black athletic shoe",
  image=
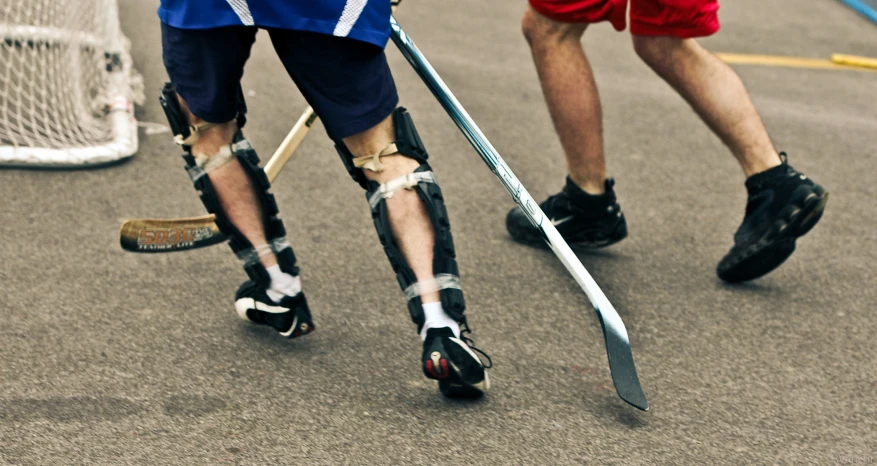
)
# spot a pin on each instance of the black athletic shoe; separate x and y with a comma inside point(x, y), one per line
point(291, 316)
point(452, 361)
point(585, 221)
point(783, 205)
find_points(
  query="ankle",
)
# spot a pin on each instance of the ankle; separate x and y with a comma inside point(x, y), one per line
point(761, 163)
point(436, 317)
point(594, 186)
point(282, 283)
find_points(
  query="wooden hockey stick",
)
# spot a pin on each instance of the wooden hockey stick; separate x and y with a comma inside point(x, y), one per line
point(180, 234)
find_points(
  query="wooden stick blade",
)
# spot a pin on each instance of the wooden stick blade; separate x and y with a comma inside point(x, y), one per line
point(169, 235)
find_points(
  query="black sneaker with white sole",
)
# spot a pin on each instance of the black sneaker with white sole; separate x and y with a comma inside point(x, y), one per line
point(453, 362)
point(783, 205)
point(291, 316)
point(584, 220)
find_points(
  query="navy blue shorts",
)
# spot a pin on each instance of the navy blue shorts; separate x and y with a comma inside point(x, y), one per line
point(346, 81)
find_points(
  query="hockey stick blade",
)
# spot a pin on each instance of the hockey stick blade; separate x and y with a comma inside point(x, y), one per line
point(621, 364)
point(169, 235)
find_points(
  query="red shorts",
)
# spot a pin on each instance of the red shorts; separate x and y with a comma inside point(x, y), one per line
point(680, 18)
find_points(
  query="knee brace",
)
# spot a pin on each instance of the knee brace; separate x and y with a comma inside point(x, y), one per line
point(199, 166)
point(445, 273)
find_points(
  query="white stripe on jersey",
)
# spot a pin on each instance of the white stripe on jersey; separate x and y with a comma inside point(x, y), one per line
point(241, 9)
point(352, 10)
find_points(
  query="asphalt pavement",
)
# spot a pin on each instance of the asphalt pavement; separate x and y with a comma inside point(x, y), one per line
point(108, 357)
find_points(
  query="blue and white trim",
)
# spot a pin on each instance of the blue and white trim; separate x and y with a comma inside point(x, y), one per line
point(242, 9)
point(363, 20)
point(349, 17)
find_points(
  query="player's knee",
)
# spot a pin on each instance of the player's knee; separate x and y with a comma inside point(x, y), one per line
point(540, 30)
point(657, 50)
point(212, 139)
point(192, 131)
point(388, 155)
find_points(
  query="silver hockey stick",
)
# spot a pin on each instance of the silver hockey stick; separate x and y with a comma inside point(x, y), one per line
point(621, 364)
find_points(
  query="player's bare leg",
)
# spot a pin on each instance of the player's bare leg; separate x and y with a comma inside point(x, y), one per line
point(716, 93)
point(783, 204)
point(571, 94)
point(586, 212)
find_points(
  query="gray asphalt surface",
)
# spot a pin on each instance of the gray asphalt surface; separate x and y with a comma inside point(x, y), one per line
point(114, 358)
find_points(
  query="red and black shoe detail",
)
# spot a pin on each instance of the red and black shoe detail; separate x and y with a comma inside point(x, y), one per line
point(453, 363)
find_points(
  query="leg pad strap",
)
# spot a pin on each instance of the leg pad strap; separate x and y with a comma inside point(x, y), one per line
point(407, 143)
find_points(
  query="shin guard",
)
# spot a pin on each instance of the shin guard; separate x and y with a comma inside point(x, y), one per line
point(446, 275)
point(198, 169)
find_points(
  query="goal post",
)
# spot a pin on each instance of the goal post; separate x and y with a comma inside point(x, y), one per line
point(67, 84)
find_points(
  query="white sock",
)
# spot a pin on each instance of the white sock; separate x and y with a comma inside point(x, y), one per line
point(436, 317)
point(282, 284)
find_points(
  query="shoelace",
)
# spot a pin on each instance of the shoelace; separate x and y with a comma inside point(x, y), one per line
point(464, 328)
point(785, 159)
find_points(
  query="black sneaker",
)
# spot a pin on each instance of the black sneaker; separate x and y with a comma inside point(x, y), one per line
point(452, 361)
point(783, 205)
point(585, 221)
point(291, 316)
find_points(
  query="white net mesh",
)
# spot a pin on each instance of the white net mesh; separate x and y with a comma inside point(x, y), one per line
point(67, 85)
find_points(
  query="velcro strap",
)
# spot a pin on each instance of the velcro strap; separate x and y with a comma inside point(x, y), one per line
point(440, 282)
point(408, 181)
point(279, 244)
point(208, 163)
point(205, 164)
point(194, 134)
point(252, 255)
point(373, 162)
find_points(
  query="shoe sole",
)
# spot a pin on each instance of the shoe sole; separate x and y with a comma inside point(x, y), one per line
point(778, 243)
point(463, 391)
point(539, 243)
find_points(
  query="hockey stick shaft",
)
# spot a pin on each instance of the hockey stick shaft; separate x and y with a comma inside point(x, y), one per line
point(151, 235)
point(617, 342)
point(290, 144)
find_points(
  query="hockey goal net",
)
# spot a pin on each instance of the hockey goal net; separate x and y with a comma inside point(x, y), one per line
point(67, 85)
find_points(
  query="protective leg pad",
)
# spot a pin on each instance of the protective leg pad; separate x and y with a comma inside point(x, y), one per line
point(444, 254)
point(249, 161)
point(409, 144)
point(272, 224)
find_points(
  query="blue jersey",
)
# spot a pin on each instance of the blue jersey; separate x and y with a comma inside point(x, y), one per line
point(365, 20)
